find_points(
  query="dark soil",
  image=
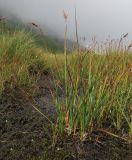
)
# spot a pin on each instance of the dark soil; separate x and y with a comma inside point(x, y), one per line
point(27, 135)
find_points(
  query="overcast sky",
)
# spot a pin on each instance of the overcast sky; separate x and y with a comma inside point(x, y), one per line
point(99, 18)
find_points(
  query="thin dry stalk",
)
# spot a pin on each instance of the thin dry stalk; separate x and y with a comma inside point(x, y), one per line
point(121, 39)
point(76, 26)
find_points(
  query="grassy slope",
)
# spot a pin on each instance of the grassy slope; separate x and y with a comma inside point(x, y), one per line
point(18, 53)
point(97, 88)
point(21, 51)
point(97, 92)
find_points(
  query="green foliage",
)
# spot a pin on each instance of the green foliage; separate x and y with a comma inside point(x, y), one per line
point(18, 53)
point(43, 41)
point(96, 89)
point(98, 93)
point(50, 44)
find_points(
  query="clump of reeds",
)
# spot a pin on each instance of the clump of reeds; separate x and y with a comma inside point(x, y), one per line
point(18, 54)
point(97, 93)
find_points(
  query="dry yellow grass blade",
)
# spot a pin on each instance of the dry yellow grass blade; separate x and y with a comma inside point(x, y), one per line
point(114, 135)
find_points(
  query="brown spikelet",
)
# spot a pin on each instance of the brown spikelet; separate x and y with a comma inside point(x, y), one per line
point(65, 15)
point(130, 46)
point(125, 35)
point(34, 24)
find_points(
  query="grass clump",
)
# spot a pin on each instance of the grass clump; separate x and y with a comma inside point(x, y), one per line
point(18, 53)
point(97, 94)
point(95, 89)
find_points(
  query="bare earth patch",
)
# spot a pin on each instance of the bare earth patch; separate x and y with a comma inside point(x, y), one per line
point(26, 135)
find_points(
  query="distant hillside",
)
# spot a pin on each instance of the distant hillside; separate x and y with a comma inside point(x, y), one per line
point(50, 43)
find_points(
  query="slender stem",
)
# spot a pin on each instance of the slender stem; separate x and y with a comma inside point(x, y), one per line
point(76, 26)
point(65, 53)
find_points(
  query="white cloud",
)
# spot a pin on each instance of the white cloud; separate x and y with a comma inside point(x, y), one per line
point(95, 17)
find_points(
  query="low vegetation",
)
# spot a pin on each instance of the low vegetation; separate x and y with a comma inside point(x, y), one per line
point(18, 55)
point(97, 94)
point(91, 91)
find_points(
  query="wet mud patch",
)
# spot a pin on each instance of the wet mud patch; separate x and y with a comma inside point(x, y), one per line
point(24, 133)
point(107, 148)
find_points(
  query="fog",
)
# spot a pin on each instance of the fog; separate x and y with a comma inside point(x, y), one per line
point(100, 18)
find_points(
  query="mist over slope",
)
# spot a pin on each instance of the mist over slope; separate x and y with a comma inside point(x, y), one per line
point(95, 18)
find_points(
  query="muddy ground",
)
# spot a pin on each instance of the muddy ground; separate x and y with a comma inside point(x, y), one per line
point(27, 135)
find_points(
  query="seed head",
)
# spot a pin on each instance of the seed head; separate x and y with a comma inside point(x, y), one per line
point(125, 35)
point(65, 15)
point(130, 46)
point(34, 24)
